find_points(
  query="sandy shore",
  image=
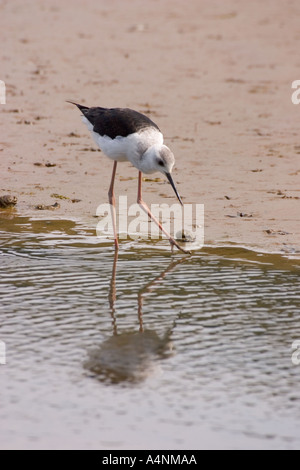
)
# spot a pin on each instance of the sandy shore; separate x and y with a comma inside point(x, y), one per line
point(215, 76)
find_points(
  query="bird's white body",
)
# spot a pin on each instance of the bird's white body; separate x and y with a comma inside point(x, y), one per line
point(136, 148)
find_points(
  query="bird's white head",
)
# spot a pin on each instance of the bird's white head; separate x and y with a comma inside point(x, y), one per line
point(160, 158)
point(157, 158)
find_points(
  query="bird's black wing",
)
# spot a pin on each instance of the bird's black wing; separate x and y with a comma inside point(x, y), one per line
point(116, 121)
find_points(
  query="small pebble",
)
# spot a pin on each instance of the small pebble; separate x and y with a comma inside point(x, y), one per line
point(186, 237)
point(43, 207)
point(7, 201)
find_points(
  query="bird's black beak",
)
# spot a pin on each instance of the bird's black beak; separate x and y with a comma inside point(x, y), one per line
point(168, 175)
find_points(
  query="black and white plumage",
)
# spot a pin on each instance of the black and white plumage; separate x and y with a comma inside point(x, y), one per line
point(116, 122)
point(127, 135)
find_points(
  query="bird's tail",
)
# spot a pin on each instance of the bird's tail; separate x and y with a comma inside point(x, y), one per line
point(79, 106)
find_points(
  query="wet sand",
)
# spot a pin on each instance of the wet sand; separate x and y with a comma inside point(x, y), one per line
point(216, 77)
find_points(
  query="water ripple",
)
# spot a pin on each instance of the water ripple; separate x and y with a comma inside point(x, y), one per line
point(190, 346)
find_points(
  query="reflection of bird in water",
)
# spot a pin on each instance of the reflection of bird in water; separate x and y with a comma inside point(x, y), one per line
point(131, 356)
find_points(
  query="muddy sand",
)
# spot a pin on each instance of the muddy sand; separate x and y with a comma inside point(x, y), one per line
point(215, 76)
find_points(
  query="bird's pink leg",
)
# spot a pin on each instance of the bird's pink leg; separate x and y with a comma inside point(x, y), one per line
point(112, 202)
point(144, 206)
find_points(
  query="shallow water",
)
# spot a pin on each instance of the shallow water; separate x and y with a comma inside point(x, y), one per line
point(156, 351)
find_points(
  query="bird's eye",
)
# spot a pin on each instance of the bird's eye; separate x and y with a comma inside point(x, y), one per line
point(161, 163)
